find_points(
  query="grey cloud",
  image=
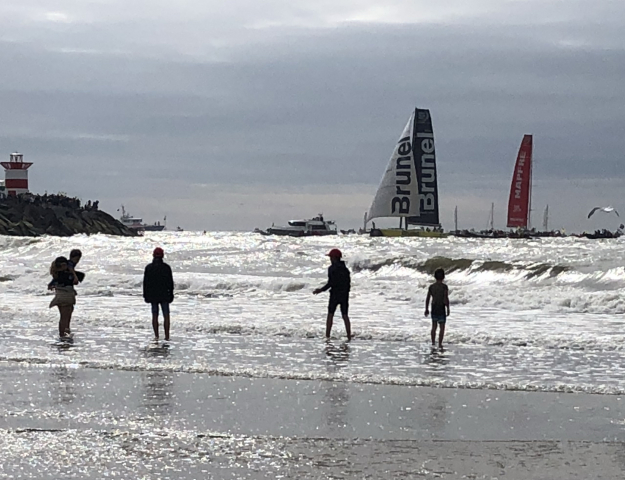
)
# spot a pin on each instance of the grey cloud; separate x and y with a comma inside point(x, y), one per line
point(300, 106)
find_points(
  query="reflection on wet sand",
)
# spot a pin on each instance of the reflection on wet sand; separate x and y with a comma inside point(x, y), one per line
point(63, 385)
point(336, 394)
point(436, 357)
point(339, 354)
point(158, 392)
point(158, 386)
point(64, 344)
point(156, 350)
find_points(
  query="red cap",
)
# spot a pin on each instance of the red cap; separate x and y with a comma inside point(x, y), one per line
point(335, 253)
point(158, 252)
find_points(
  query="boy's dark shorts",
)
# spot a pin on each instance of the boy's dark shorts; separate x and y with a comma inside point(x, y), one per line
point(341, 299)
point(440, 319)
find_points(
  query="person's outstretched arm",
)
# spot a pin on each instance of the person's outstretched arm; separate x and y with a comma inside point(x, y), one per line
point(326, 286)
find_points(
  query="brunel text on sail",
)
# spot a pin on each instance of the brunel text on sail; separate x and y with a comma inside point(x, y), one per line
point(427, 187)
point(403, 177)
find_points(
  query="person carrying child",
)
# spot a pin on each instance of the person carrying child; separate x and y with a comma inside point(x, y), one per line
point(62, 283)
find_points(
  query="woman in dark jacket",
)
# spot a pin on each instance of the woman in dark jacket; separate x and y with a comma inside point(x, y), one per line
point(158, 289)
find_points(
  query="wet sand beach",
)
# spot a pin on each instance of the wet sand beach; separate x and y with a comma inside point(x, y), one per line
point(94, 423)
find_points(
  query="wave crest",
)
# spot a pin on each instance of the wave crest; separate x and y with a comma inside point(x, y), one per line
point(430, 265)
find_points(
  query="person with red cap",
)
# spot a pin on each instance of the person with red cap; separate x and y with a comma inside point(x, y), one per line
point(158, 289)
point(339, 284)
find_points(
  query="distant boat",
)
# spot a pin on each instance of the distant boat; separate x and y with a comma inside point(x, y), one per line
point(409, 188)
point(313, 227)
point(136, 223)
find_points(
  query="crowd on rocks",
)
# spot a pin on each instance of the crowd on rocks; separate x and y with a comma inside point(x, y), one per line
point(51, 200)
point(33, 215)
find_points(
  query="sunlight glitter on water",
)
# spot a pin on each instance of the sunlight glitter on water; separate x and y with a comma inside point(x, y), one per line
point(513, 302)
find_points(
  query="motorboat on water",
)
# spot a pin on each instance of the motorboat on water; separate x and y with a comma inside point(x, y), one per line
point(136, 223)
point(313, 227)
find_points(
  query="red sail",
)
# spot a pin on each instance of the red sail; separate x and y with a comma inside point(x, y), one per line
point(519, 202)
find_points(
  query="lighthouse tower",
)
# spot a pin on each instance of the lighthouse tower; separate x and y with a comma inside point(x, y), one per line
point(16, 174)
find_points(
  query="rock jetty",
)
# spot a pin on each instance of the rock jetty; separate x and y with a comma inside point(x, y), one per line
point(34, 215)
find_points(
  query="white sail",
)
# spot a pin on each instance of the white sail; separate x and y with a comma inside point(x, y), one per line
point(398, 193)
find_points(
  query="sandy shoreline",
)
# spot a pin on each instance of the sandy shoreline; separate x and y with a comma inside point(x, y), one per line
point(232, 427)
point(184, 455)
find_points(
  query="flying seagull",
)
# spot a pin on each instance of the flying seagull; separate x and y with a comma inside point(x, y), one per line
point(603, 209)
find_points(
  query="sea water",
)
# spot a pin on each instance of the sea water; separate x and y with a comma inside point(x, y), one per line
point(543, 314)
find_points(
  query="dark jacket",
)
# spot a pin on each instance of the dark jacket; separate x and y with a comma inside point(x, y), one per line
point(158, 283)
point(63, 279)
point(339, 280)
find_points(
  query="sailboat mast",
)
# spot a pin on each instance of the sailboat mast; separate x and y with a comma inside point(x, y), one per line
point(546, 219)
point(492, 216)
point(529, 207)
point(456, 218)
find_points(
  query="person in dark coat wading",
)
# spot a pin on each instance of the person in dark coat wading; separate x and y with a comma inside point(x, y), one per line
point(339, 284)
point(158, 289)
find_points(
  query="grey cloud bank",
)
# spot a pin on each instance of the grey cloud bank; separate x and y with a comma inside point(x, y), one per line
point(235, 117)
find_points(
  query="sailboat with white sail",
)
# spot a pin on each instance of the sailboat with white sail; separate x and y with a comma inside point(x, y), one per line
point(409, 187)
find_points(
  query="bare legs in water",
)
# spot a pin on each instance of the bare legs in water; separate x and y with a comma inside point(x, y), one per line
point(348, 325)
point(165, 325)
point(66, 316)
point(440, 335)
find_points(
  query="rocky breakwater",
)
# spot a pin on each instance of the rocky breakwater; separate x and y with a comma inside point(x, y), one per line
point(34, 216)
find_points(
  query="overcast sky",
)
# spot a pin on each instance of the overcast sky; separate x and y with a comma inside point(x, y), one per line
point(233, 115)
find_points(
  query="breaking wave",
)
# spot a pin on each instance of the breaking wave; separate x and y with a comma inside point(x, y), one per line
point(450, 265)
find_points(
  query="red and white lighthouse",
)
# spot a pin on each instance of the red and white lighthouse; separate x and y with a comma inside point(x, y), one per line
point(16, 174)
